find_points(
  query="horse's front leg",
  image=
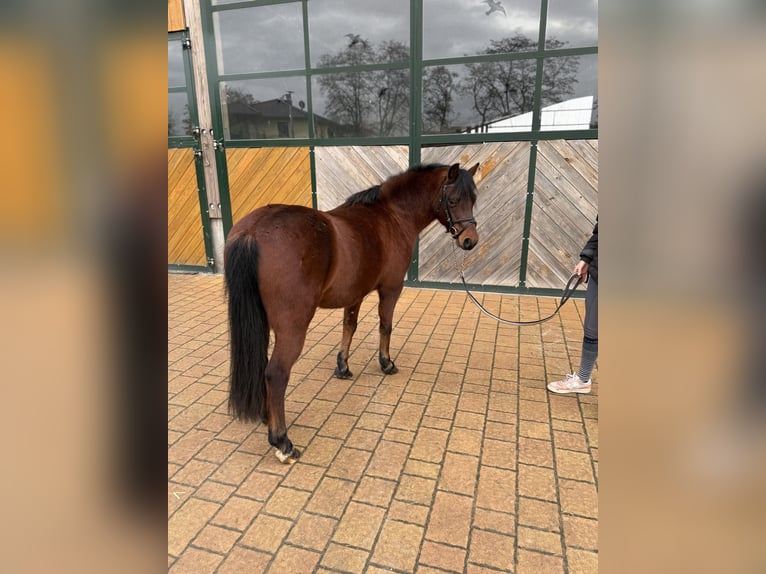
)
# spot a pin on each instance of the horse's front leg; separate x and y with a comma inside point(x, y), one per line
point(350, 320)
point(388, 298)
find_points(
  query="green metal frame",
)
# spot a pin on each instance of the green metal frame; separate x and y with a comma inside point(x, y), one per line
point(180, 142)
point(416, 108)
point(416, 139)
point(175, 268)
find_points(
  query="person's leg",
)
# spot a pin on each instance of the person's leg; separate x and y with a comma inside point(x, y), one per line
point(580, 382)
point(590, 328)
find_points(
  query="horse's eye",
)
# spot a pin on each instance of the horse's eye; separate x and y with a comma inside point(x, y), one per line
point(452, 203)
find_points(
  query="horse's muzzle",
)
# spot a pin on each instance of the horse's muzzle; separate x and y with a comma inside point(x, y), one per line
point(468, 244)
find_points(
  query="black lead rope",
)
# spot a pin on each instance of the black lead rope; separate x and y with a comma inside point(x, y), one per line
point(568, 290)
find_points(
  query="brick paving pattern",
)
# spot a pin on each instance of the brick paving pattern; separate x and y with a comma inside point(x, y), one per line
point(461, 462)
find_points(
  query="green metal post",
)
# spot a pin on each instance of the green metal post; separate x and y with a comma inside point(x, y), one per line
point(416, 104)
point(536, 112)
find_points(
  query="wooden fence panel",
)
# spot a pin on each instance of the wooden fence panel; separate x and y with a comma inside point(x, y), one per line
point(499, 212)
point(186, 243)
point(176, 16)
point(342, 171)
point(564, 211)
point(260, 176)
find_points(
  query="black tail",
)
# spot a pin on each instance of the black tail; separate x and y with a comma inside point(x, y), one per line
point(248, 331)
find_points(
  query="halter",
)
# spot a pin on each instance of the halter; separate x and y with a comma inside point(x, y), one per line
point(451, 229)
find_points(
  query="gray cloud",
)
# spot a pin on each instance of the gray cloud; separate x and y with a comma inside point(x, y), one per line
point(270, 38)
point(462, 27)
point(261, 39)
point(331, 20)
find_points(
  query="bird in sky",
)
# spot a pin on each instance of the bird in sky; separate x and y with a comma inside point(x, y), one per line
point(355, 40)
point(495, 6)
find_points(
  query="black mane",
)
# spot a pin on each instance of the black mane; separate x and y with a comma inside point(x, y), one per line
point(464, 186)
point(366, 197)
point(426, 167)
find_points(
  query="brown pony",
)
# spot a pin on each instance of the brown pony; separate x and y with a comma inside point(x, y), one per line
point(283, 261)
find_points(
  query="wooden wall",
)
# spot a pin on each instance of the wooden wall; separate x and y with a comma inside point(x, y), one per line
point(176, 16)
point(186, 244)
point(565, 208)
point(499, 212)
point(341, 171)
point(259, 176)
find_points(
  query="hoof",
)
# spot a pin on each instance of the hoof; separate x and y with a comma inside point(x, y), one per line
point(390, 369)
point(387, 365)
point(290, 458)
point(345, 374)
point(341, 371)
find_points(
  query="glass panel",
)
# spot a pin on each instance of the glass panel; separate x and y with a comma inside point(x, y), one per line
point(265, 109)
point(179, 122)
point(352, 32)
point(485, 97)
point(363, 104)
point(571, 24)
point(262, 39)
point(455, 28)
point(176, 72)
point(570, 93)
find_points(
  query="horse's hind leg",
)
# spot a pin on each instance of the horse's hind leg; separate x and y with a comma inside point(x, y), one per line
point(287, 348)
point(388, 299)
point(350, 320)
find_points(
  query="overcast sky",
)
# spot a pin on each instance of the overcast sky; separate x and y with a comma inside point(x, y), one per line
point(270, 38)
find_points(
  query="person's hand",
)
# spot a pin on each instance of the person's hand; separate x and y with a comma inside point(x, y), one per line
point(581, 270)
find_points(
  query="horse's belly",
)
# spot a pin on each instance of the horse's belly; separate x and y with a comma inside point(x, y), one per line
point(344, 291)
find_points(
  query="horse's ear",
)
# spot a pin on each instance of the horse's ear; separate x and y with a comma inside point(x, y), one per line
point(454, 171)
point(472, 170)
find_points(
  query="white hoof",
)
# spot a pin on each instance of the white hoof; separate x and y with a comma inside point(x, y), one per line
point(281, 456)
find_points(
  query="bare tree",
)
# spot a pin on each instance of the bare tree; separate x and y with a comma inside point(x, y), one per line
point(171, 123)
point(439, 87)
point(505, 88)
point(377, 102)
point(559, 75)
point(234, 95)
point(367, 102)
point(185, 123)
point(393, 90)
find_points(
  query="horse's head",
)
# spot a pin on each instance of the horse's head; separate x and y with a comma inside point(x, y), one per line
point(455, 212)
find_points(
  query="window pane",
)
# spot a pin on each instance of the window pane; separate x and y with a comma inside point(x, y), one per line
point(262, 39)
point(353, 32)
point(176, 74)
point(179, 123)
point(571, 24)
point(570, 93)
point(362, 104)
point(485, 97)
point(265, 109)
point(453, 28)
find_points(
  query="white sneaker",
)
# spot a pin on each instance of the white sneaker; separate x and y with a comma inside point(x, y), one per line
point(570, 384)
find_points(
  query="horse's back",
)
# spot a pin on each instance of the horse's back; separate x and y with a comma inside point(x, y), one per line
point(294, 251)
point(266, 218)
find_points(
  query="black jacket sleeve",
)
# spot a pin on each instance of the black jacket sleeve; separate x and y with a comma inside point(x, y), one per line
point(589, 253)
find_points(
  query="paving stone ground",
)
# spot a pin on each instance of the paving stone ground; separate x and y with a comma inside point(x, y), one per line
point(461, 462)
